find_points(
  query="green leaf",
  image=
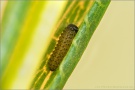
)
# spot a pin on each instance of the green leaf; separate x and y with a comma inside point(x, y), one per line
point(12, 21)
point(86, 15)
point(18, 27)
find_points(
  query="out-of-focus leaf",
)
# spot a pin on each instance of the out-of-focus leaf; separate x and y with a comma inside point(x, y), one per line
point(13, 18)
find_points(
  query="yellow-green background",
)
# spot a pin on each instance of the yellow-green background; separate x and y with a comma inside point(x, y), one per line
point(108, 61)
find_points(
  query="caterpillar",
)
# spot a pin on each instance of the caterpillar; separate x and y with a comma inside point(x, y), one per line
point(61, 49)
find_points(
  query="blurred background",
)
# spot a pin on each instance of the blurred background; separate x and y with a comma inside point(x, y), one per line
point(107, 63)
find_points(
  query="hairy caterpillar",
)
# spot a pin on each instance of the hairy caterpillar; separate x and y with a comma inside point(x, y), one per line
point(61, 49)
